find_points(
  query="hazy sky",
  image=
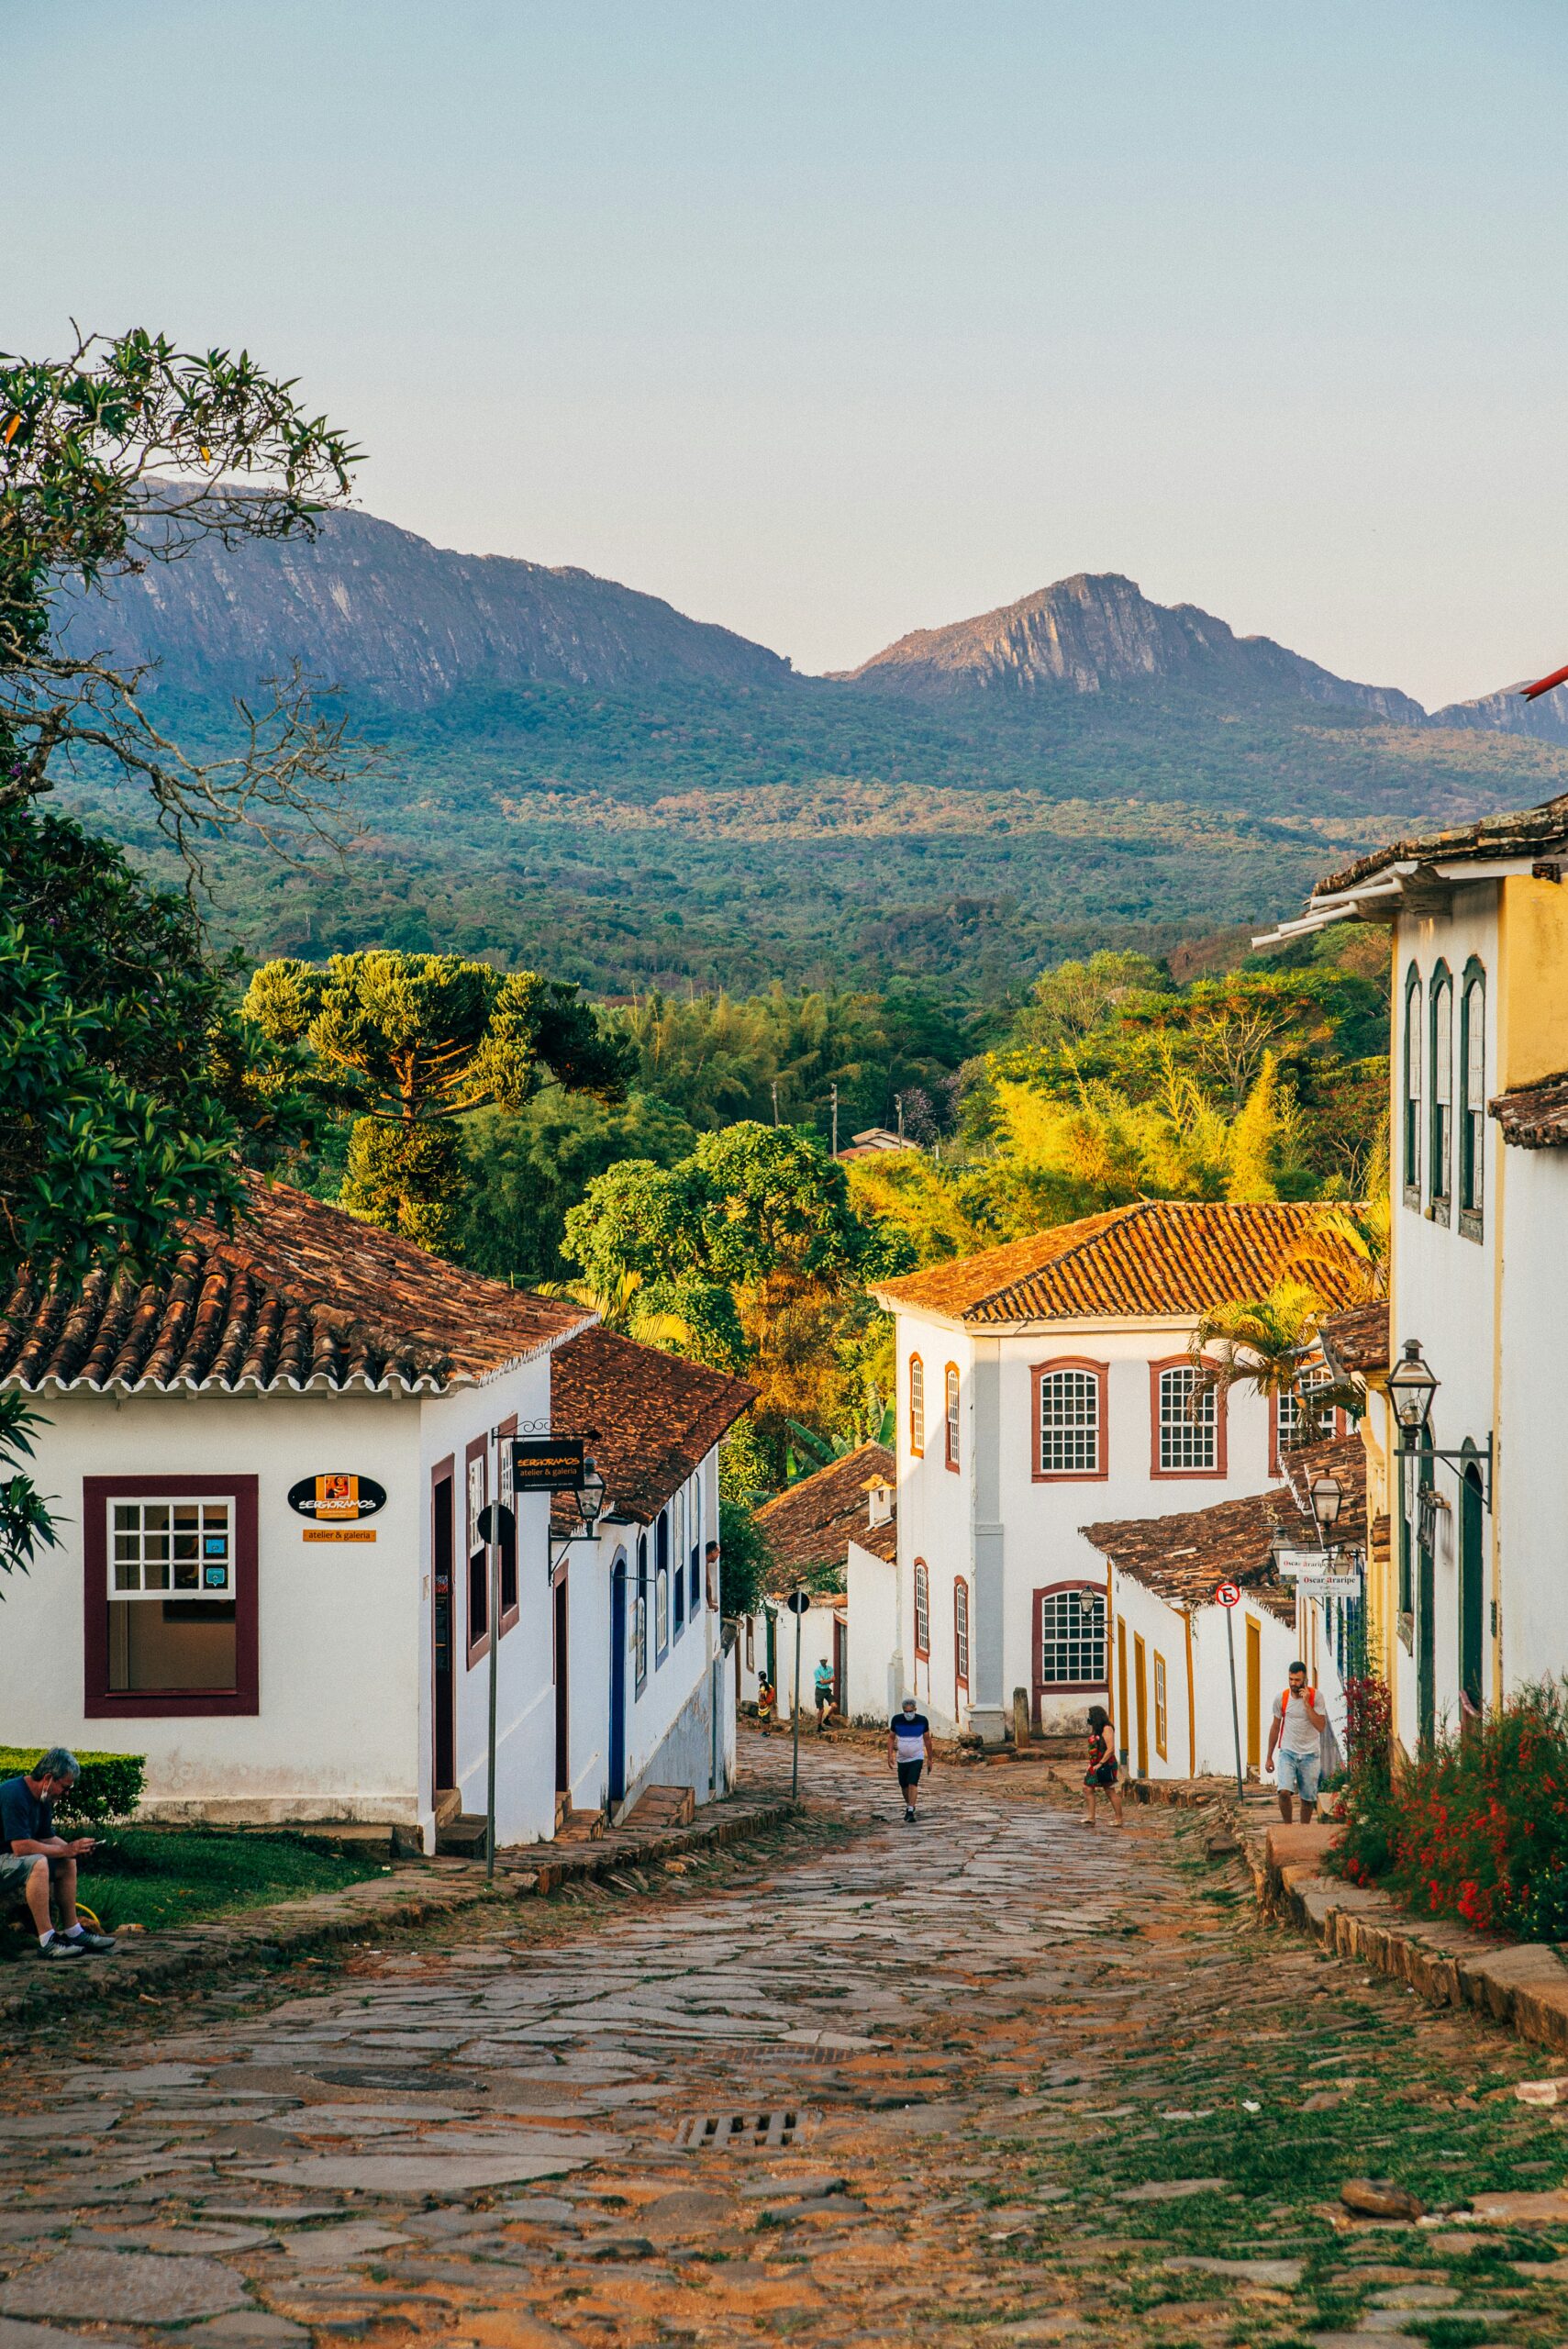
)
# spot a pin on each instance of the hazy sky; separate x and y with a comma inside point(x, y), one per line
point(832, 319)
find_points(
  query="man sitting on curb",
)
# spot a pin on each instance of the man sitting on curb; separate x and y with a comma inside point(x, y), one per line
point(35, 1861)
point(1297, 1734)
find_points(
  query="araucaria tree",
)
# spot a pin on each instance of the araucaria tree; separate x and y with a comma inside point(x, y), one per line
point(410, 1043)
point(128, 1086)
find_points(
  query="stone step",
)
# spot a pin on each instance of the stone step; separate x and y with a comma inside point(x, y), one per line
point(579, 1826)
point(463, 1837)
point(661, 1807)
point(449, 1803)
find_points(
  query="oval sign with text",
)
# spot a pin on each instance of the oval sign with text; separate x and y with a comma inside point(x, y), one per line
point(336, 1499)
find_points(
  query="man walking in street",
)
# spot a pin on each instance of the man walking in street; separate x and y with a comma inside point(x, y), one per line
point(909, 1751)
point(822, 1689)
point(34, 1861)
point(1295, 1743)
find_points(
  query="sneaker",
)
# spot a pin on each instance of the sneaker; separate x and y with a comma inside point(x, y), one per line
point(96, 1944)
point(58, 1946)
point(908, 1813)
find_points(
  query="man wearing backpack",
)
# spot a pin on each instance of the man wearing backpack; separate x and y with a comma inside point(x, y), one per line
point(1295, 1743)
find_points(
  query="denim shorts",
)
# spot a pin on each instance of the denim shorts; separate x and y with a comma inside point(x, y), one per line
point(1298, 1773)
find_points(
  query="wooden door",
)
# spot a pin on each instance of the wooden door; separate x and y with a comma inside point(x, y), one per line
point(442, 1627)
point(1121, 1688)
point(1470, 1607)
point(1254, 1698)
point(1141, 1683)
point(562, 1725)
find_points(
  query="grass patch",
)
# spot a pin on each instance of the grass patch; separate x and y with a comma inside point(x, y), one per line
point(157, 1878)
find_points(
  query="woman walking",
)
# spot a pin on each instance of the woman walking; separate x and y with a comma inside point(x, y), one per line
point(1103, 1776)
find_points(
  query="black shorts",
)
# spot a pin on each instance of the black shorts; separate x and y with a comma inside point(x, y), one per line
point(1105, 1775)
point(909, 1773)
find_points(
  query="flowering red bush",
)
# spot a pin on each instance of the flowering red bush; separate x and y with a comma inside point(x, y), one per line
point(1476, 1826)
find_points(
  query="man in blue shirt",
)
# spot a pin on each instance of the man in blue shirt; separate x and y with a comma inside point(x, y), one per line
point(909, 1751)
point(35, 1861)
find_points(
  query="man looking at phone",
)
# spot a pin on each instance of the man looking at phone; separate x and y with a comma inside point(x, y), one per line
point(35, 1862)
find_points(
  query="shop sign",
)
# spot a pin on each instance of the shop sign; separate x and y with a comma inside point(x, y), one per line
point(335, 1504)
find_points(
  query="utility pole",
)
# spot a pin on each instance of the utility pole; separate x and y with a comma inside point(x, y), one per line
point(794, 1709)
point(899, 1099)
point(776, 1085)
point(835, 1121)
point(493, 1572)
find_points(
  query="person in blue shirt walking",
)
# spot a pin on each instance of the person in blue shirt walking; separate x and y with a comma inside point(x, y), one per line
point(909, 1751)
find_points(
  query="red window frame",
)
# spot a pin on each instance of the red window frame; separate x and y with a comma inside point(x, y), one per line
point(1221, 1428)
point(917, 1450)
point(102, 1703)
point(1038, 1372)
point(1066, 1687)
point(1337, 1426)
point(476, 1649)
point(951, 1395)
point(922, 1608)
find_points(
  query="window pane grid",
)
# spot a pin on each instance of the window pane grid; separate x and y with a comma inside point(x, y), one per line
point(917, 1404)
point(161, 1547)
point(961, 1630)
point(1188, 1427)
point(1073, 1638)
point(922, 1611)
point(1068, 1423)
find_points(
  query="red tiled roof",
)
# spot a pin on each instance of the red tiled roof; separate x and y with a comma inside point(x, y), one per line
point(1355, 1344)
point(1157, 1259)
point(1532, 832)
point(1536, 1116)
point(299, 1295)
point(1184, 1558)
point(654, 1417)
point(814, 1522)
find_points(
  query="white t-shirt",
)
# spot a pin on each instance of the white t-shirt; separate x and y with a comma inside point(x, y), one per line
point(1297, 1736)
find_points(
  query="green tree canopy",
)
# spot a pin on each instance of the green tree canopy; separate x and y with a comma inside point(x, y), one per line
point(411, 1043)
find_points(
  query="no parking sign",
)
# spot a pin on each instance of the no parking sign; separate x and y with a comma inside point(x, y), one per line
point(1228, 1594)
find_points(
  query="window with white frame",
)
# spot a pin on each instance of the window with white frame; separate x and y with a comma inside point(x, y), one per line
point(1442, 1088)
point(1189, 1423)
point(1068, 1423)
point(951, 1413)
point(916, 1406)
point(1412, 1088)
point(1073, 1638)
point(961, 1632)
point(922, 1609)
point(639, 1612)
point(1293, 1420)
point(1473, 1101)
point(171, 1596)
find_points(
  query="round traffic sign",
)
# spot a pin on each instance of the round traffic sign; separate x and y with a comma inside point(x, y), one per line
point(1228, 1594)
point(798, 1602)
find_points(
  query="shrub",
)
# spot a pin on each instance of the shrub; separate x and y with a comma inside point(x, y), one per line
point(1476, 1825)
point(110, 1787)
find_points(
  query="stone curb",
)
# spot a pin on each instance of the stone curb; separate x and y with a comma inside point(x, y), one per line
point(1522, 1985)
point(440, 1889)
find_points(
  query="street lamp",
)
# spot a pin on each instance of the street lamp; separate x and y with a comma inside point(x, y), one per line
point(1327, 1495)
point(590, 1496)
point(1411, 1386)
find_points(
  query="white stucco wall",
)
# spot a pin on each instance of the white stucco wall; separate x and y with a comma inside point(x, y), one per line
point(1534, 1411)
point(873, 1676)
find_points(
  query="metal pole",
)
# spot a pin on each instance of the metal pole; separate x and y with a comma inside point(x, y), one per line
point(794, 1715)
point(835, 1121)
point(1235, 1715)
point(492, 1568)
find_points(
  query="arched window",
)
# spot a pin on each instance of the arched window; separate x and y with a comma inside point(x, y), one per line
point(961, 1632)
point(950, 1386)
point(661, 1588)
point(922, 1609)
point(1069, 1637)
point(1411, 1138)
point(1473, 1101)
point(1068, 1419)
point(1442, 1088)
point(639, 1612)
point(917, 1407)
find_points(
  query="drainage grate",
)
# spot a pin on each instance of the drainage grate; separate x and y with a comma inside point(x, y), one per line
point(701, 2133)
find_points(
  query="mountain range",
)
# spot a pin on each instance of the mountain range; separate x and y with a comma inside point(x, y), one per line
point(575, 776)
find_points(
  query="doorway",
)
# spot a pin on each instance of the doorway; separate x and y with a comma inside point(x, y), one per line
point(1254, 1697)
point(1121, 1688)
point(445, 1753)
point(1471, 1609)
point(840, 1650)
point(562, 1723)
point(1426, 1605)
point(1140, 1689)
point(618, 1679)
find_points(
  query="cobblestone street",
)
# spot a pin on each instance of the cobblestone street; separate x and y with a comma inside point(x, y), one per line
point(987, 2078)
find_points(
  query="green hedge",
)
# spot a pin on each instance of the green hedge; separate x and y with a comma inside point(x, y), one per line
point(110, 1787)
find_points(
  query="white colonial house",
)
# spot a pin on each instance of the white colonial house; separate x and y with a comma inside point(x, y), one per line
point(1176, 1649)
point(269, 1468)
point(1043, 1382)
point(1467, 1599)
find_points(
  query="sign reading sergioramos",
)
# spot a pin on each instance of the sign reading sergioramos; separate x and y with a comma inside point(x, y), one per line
point(546, 1463)
point(336, 1502)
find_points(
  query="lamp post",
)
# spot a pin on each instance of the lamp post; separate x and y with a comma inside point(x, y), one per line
point(1326, 1495)
point(1411, 1386)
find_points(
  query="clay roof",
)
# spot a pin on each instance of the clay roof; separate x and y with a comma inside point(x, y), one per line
point(1355, 1344)
point(1536, 1116)
point(814, 1522)
point(297, 1295)
point(1154, 1260)
point(654, 1418)
point(1184, 1558)
point(1533, 832)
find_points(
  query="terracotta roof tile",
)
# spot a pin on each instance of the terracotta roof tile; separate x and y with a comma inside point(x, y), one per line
point(655, 1418)
point(1157, 1259)
point(1184, 1558)
point(814, 1522)
point(1355, 1344)
point(1532, 832)
point(1535, 1116)
point(297, 1295)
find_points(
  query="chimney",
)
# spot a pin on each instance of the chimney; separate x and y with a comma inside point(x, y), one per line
point(881, 1500)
